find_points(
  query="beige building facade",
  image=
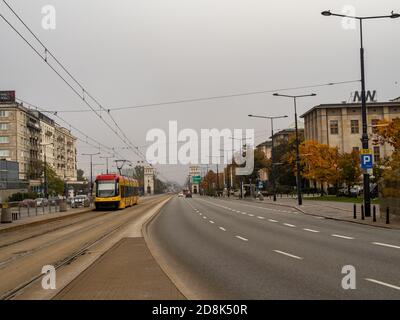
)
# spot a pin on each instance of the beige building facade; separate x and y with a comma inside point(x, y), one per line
point(340, 125)
point(26, 136)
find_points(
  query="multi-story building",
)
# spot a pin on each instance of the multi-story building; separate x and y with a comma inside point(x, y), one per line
point(340, 125)
point(30, 137)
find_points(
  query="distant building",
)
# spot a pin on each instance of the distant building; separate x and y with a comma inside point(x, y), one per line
point(28, 137)
point(266, 148)
point(340, 125)
point(9, 180)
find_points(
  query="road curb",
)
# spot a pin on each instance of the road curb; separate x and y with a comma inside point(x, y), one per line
point(44, 221)
point(160, 260)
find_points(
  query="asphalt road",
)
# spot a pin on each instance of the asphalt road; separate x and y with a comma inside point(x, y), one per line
point(230, 249)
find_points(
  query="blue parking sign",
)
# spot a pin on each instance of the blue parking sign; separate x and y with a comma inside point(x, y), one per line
point(367, 161)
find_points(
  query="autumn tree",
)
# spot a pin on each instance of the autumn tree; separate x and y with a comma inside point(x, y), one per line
point(349, 169)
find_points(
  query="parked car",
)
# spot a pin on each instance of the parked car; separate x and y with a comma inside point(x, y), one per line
point(27, 203)
point(79, 201)
point(42, 202)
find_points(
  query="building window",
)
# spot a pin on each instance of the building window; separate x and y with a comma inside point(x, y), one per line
point(4, 153)
point(334, 126)
point(4, 139)
point(3, 126)
point(377, 154)
point(3, 114)
point(355, 127)
point(374, 123)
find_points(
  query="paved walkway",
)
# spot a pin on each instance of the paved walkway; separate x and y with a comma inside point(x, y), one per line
point(39, 219)
point(127, 271)
point(333, 210)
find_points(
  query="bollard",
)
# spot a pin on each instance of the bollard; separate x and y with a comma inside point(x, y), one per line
point(387, 215)
point(362, 212)
point(355, 211)
point(374, 214)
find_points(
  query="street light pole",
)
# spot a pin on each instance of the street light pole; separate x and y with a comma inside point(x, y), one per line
point(91, 169)
point(272, 148)
point(109, 157)
point(46, 183)
point(298, 164)
point(364, 137)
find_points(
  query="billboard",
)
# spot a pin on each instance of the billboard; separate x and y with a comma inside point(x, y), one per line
point(7, 96)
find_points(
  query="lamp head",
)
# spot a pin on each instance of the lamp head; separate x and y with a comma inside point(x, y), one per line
point(326, 13)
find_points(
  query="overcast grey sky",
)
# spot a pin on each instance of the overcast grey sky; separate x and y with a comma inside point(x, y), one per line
point(132, 52)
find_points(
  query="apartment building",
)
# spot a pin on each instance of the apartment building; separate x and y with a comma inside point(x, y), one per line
point(29, 137)
point(340, 125)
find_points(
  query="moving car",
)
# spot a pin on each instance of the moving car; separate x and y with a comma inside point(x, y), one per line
point(180, 194)
point(188, 195)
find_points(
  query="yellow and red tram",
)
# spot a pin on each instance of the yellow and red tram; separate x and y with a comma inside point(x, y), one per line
point(115, 191)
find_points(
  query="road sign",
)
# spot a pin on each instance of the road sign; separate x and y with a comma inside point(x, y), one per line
point(196, 179)
point(366, 151)
point(260, 185)
point(367, 161)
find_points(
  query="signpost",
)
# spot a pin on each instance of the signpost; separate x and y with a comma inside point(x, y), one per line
point(196, 179)
point(367, 159)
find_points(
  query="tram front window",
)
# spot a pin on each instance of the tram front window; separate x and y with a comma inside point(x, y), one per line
point(106, 189)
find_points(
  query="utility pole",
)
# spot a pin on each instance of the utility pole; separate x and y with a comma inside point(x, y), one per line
point(46, 183)
point(298, 164)
point(91, 169)
point(272, 174)
point(108, 157)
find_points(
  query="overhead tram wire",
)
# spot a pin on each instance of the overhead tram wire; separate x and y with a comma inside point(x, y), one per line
point(210, 98)
point(96, 144)
point(125, 139)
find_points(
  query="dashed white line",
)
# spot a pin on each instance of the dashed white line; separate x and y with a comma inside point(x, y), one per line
point(262, 218)
point(200, 213)
point(271, 220)
point(386, 245)
point(288, 254)
point(311, 230)
point(204, 217)
point(383, 283)
point(343, 237)
point(221, 228)
point(241, 238)
point(251, 215)
point(244, 213)
point(289, 225)
point(212, 222)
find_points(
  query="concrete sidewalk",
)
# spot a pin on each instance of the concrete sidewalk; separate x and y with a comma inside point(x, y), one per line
point(40, 219)
point(331, 210)
point(127, 271)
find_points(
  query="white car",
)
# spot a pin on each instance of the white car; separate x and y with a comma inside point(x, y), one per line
point(180, 195)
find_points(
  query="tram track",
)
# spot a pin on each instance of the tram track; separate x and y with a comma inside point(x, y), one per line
point(85, 237)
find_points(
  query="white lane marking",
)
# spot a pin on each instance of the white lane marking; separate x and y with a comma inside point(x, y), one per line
point(262, 218)
point(343, 237)
point(241, 238)
point(383, 283)
point(200, 213)
point(311, 230)
point(223, 229)
point(289, 225)
point(212, 222)
point(386, 245)
point(271, 220)
point(204, 217)
point(251, 215)
point(288, 254)
point(319, 217)
point(244, 213)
